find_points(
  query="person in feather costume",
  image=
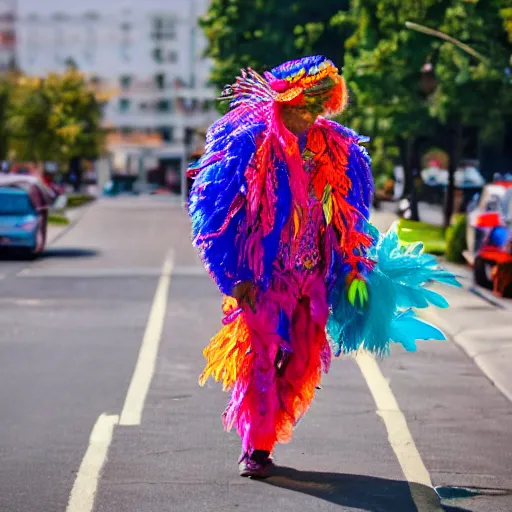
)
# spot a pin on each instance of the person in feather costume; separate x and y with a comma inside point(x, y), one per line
point(279, 209)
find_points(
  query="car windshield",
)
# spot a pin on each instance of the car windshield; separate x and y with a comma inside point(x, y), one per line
point(14, 204)
point(493, 204)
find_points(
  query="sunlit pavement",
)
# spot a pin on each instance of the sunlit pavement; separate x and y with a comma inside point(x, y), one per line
point(121, 294)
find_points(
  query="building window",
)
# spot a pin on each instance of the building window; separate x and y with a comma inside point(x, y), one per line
point(124, 105)
point(125, 81)
point(207, 105)
point(144, 106)
point(186, 105)
point(160, 80)
point(163, 106)
point(164, 29)
point(166, 132)
point(158, 55)
point(179, 83)
point(126, 40)
point(189, 135)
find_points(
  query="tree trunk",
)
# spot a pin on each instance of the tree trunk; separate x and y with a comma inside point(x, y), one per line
point(75, 173)
point(406, 156)
point(455, 155)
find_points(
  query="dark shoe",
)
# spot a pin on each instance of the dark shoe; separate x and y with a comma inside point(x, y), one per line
point(257, 465)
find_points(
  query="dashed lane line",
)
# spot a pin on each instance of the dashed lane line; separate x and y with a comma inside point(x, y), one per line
point(143, 374)
point(86, 482)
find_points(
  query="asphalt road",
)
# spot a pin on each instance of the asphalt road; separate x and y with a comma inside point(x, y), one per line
point(72, 325)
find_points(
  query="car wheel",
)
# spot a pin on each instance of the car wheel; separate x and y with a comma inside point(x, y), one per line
point(483, 272)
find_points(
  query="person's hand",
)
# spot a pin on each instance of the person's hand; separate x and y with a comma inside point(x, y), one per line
point(358, 292)
point(244, 292)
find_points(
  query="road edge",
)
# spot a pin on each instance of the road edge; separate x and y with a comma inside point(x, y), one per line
point(486, 360)
point(76, 215)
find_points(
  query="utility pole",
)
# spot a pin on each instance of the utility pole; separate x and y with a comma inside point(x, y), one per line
point(192, 85)
point(192, 49)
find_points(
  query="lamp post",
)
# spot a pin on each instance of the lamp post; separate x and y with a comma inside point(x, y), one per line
point(142, 180)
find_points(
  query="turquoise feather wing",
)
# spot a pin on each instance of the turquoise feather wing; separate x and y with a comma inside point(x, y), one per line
point(395, 286)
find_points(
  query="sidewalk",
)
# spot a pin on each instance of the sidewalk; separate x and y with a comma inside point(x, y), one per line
point(479, 322)
point(481, 325)
point(74, 215)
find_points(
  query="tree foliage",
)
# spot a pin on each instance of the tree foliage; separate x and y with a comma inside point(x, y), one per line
point(264, 33)
point(383, 68)
point(405, 86)
point(5, 92)
point(53, 119)
point(475, 93)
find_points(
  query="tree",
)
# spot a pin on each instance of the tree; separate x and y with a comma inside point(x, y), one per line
point(54, 119)
point(386, 74)
point(473, 92)
point(456, 90)
point(5, 93)
point(264, 33)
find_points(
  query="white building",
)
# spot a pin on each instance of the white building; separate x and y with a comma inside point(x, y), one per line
point(147, 53)
point(7, 34)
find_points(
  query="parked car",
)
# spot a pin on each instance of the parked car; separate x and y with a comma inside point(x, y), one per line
point(489, 233)
point(24, 204)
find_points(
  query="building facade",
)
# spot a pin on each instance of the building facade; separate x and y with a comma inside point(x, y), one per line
point(7, 35)
point(145, 56)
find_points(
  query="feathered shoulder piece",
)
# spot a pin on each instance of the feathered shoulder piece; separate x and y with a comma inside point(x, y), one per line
point(252, 172)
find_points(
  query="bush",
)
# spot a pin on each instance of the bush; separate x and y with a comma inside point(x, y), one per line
point(432, 237)
point(456, 239)
point(58, 219)
point(76, 200)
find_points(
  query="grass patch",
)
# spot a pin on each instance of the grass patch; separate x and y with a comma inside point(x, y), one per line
point(76, 200)
point(432, 237)
point(57, 219)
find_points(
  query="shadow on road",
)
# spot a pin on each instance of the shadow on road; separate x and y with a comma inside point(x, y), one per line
point(69, 252)
point(357, 491)
point(65, 252)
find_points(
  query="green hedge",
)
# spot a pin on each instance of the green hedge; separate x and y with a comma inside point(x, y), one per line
point(76, 200)
point(435, 239)
point(432, 237)
point(57, 219)
point(456, 239)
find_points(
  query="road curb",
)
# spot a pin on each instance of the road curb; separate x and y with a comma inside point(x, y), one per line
point(76, 215)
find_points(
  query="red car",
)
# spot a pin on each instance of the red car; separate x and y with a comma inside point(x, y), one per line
point(489, 238)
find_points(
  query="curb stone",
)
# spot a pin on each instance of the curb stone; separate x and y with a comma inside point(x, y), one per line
point(483, 331)
point(74, 215)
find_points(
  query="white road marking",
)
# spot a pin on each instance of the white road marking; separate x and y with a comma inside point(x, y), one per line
point(86, 482)
point(82, 272)
point(190, 271)
point(399, 436)
point(141, 380)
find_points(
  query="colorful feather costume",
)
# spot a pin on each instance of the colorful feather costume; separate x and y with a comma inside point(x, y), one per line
point(279, 208)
